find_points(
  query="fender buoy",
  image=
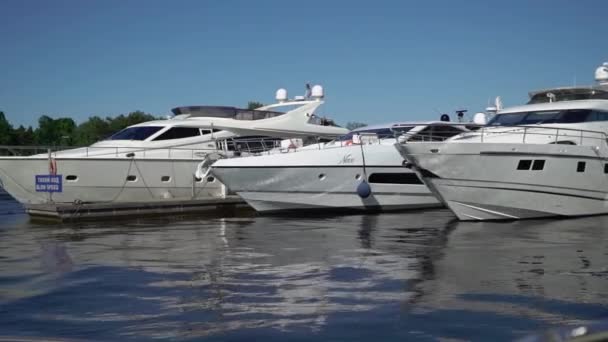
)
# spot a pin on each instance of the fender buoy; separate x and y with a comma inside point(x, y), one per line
point(364, 190)
point(53, 167)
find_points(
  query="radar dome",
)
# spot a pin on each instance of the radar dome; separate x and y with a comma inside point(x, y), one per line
point(317, 92)
point(601, 74)
point(281, 95)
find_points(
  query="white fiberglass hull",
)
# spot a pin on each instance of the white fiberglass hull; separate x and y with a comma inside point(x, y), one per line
point(486, 181)
point(105, 180)
point(322, 179)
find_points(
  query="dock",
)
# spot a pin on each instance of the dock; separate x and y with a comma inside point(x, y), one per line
point(96, 211)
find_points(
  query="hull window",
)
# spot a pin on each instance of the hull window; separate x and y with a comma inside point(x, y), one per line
point(538, 165)
point(580, 167)
point(395, 178)
point(71, 178)
point(131, 178)
point(524, 164)
point(165, 179)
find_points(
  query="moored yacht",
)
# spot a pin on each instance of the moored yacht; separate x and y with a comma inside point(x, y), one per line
point(546, 158)
point(329, 176)
point(158, 160)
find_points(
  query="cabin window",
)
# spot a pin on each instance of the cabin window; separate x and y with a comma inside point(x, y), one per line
point(580, 167)
point(208, 131)
point(136, 133)
point(524, 164)
point(165, 179)
point(538, 165)
point(394, 178)
point(131, 178)
point(179, 133)
point(605, 168)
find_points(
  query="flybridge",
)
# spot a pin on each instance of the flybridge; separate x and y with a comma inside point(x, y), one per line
point(594, 92)
point(225, 112)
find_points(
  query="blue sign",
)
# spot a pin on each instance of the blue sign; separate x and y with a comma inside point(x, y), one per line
point(49, 183)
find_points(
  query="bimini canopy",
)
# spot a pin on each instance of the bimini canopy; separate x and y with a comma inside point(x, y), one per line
point(225, 112)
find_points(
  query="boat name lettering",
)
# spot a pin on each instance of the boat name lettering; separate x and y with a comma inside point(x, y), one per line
point(347, 159)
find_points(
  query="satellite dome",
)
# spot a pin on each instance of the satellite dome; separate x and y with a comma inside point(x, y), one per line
point(480, 118)
point(601, 74)
point(281, 95)
point(317, 92)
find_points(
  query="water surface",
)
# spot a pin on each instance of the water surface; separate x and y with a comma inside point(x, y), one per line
point(399, 276)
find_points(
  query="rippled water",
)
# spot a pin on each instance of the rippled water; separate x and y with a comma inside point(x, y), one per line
point(405, 276)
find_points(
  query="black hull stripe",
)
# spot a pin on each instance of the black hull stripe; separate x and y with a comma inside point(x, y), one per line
point(339, 192)
point(528, 154)
point(524, 184)
point(307, 166)
point(527, 190)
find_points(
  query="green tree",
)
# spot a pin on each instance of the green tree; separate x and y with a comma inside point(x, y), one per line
point(6, 130)
point(55, 131)
point(354, 125)
point(254, 105)
point(24, 137)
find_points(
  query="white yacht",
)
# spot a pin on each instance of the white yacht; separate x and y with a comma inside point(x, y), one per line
point(329, 176)
point(158, 160)
point(546, 158)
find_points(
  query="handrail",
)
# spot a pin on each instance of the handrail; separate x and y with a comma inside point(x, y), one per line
point(528, 132)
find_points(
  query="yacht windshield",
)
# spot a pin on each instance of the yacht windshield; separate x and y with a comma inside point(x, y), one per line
point(380, 132)
point(136, 133)
point(548, 117)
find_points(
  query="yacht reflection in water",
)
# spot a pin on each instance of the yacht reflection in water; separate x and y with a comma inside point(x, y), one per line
point(389, 273)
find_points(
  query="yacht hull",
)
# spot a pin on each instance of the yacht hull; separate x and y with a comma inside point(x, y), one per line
point(105, 180)
point(322, 180)
point(485, 181)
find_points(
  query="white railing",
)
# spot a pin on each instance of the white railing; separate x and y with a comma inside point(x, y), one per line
point(539, 135)
point(229, 147)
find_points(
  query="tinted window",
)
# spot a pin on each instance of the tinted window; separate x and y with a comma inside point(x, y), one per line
point(524, 164)
point(135, 133)
point(547, 117)
point(436, 133)
point(208, 131)
point(380, 132)
point(394, 178)
point(179, 133)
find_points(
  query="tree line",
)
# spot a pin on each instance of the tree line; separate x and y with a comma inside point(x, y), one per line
point(65, 131)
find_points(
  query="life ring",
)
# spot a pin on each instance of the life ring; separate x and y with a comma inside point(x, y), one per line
point(348, 142)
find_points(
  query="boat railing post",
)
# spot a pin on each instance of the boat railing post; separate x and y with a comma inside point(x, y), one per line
point(582, 136)
point(556, 135)
point(524, 138)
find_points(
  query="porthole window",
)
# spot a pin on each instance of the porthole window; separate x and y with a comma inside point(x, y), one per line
point(71, 178)
point(131, 178)
point(165, 179)
point(210, 179)
point(357, 176)
point(198, 179)
point(321, 176)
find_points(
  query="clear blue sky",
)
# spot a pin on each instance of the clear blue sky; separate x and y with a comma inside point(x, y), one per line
point(378, 60)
